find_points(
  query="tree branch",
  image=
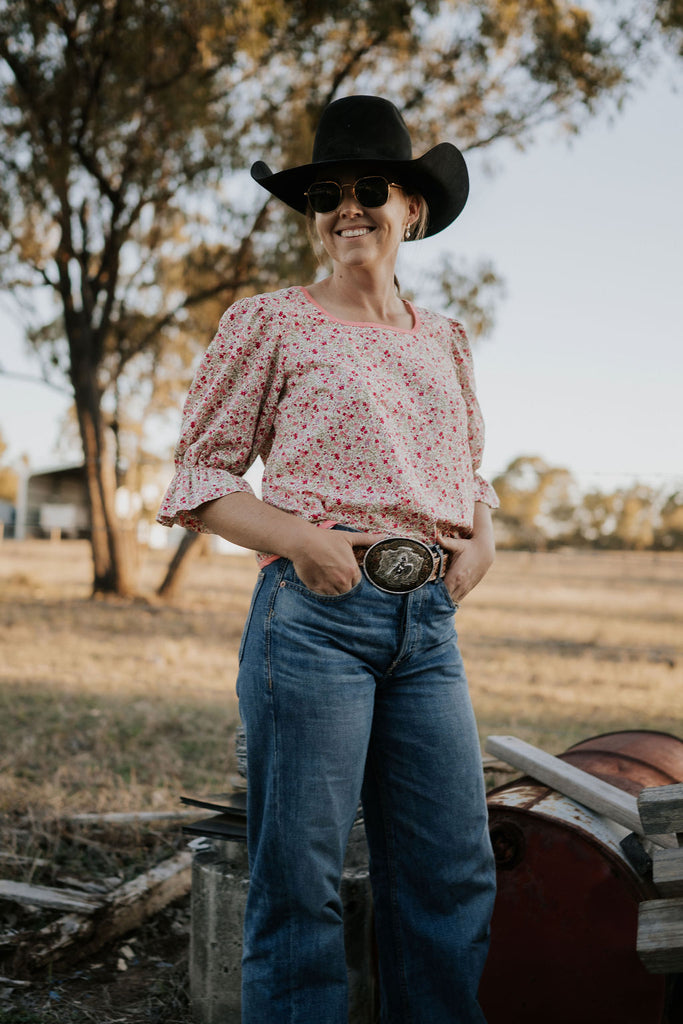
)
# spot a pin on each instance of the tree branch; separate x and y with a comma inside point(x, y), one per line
point(30, 379)
point(353, 58)
point(211, 291)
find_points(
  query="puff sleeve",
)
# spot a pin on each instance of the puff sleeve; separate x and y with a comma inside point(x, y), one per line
point(482, 489)
point(228, 415)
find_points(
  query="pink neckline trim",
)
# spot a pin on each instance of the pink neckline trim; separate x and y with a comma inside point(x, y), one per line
point(365, 323)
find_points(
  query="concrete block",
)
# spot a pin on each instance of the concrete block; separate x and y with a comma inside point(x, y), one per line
point(220, 882)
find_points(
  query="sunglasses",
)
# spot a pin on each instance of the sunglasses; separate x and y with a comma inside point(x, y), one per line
point(372, 191)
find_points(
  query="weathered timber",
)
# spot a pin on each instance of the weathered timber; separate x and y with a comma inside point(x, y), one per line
point(127, 817)
point(46, 896)
point(573, 782)
point(667, 871)
point(661, 808)
point(494, 764)
point(97, 889)
point(122, 910)
point(15, 858)
point(59, 936)
point(660, 935)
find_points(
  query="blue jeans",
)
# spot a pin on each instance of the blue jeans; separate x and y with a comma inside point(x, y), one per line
point(361, 695)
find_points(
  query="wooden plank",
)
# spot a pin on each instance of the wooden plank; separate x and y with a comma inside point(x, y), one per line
point(120, 911)
point(660, 935)
point(573, 782)
point(667, 871)
point(570, 781)
point(661, 808)
point(45, 896)
point(155, 888)
point(59, 937)
point(128, 817)
point(494, 764)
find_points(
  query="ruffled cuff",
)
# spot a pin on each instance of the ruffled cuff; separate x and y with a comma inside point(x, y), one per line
point(484, 492)
point(192, 487)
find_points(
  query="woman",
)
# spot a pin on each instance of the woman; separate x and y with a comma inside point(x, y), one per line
point(373, 526)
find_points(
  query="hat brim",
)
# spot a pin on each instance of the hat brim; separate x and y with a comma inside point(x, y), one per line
point(440, 177)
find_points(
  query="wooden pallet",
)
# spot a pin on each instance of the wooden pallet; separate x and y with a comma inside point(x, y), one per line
point(660, 921)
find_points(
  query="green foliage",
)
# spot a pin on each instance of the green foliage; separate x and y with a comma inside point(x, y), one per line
point(669, 17)
point(536, 501)
point(470, 295)
point(542, 506)
point(669, 534)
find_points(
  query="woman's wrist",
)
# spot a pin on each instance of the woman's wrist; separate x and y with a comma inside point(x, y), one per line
point(246, 520)
point(297, 537)
point(482, 530)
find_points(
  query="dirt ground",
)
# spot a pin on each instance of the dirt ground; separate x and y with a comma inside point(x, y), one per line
point(142, 979)
point(127, 705)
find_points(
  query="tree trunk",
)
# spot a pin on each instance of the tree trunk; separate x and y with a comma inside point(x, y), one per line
point(180, 563)
point(113, 549)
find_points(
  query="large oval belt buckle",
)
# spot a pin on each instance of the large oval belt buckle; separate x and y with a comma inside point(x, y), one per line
point(398, 565)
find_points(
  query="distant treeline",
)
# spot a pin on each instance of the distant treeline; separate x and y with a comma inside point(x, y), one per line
point(543, 507)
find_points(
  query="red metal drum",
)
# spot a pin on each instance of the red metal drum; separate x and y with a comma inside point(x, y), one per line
point(563, 935)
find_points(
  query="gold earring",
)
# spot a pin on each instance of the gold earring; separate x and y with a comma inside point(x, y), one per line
point(406, 233)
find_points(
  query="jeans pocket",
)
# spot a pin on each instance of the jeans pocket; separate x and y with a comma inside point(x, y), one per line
point(296, 584)
point(292, 581)
point(259, 582)
point(447, 594)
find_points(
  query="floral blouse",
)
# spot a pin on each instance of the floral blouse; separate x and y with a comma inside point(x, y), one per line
point(362, 424)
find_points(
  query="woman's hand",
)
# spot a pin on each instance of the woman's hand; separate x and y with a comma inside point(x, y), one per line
point(471, 558)
point(325, 561)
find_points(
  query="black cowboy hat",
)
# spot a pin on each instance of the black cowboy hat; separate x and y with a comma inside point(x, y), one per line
point(368, 131)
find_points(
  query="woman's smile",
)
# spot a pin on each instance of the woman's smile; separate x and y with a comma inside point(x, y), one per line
point(356, 232)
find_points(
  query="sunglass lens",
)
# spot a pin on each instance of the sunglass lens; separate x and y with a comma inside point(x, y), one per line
point(372, 191)
point(324, 196)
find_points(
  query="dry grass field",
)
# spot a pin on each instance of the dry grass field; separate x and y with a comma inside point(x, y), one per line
point(125, 705)
point(120, 705)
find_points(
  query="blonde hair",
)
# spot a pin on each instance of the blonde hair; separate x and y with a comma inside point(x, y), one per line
point(419, 228)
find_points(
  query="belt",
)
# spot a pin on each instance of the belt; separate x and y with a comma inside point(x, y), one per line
point(400, 565)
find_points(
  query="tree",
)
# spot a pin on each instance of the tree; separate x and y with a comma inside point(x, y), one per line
point(542, 506)
point(631, 517)
point(126, 126)
point(537, 501)
point(596, 518)
point(670, 532)
point(9, 481)
point(637, 517)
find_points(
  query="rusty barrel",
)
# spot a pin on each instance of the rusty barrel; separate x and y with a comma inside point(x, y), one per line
point(563, 935)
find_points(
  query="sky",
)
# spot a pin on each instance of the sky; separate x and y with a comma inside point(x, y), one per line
point(585, 364)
